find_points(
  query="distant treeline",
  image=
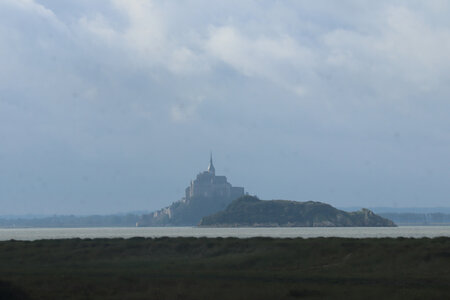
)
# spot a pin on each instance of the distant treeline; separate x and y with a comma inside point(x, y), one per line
point(128, 220)
point(418, 218)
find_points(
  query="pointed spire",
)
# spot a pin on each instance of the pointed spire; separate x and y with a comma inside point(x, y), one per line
point(211, 168)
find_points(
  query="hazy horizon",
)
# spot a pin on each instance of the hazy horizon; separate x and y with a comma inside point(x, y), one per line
point(376, 209)
point(114, 106)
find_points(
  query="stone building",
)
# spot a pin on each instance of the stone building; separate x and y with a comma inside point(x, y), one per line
point(208, 185)
point(206, 195)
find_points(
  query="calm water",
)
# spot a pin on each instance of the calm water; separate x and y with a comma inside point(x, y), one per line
point(351, 232)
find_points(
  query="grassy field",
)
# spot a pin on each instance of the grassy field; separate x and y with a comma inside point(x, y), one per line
point(226, 268)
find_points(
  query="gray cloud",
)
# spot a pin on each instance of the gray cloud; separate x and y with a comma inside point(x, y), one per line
point(114, 105)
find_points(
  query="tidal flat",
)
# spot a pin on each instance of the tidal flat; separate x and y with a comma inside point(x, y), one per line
point(226, 268)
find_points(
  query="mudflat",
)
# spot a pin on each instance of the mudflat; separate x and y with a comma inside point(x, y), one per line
point(225, 268)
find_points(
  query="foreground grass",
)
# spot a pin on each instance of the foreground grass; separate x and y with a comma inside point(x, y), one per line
point(230, 268)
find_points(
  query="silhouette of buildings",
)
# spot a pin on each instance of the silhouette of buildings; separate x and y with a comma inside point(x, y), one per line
point(207, 194)
point(208, 185)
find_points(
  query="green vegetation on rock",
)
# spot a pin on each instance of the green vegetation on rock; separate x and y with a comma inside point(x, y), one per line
point(251, 211)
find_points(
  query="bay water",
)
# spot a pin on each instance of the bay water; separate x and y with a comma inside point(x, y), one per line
point(31, 234)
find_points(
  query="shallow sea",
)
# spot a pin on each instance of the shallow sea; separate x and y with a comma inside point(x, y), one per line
point(279, 232)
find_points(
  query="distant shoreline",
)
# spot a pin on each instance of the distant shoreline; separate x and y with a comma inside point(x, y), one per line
point(130, 220)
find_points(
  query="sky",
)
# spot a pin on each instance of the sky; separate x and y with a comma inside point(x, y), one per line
point(114, 105)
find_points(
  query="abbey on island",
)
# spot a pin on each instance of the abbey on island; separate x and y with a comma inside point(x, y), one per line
point(205, 195)
point(208, 185)
point(207, 203)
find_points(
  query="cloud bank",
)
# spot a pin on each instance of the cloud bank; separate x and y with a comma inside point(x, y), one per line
point(114, 105)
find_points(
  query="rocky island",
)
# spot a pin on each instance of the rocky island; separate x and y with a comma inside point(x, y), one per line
point(249, 211)
point(210, 200)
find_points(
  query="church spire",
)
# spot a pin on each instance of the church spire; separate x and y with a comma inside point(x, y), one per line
point(211, 168)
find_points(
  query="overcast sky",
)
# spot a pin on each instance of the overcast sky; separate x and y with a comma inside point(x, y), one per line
point(114, 105)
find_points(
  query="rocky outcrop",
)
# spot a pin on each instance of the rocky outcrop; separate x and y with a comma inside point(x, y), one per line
point(185, 212)
point(249, 211)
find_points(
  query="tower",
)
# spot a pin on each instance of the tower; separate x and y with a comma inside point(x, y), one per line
point(211, 168)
